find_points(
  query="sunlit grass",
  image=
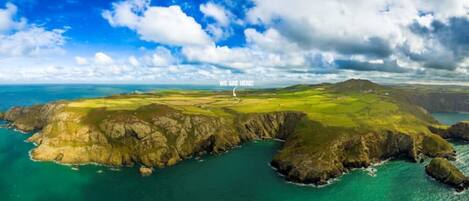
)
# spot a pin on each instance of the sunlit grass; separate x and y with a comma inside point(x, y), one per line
point(331, 109)
point(330, 115)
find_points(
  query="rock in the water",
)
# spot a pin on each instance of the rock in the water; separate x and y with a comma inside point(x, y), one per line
point(445, 172)
point(146, 171)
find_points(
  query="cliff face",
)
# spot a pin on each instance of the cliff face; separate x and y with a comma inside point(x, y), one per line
point(125, 139)
point(355, 152)
point(155, 140)
point(277, 125)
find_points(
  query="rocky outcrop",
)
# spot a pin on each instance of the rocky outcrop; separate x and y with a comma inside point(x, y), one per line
point(347, 153)
point(445, 172)
point(458, 131)
point(145, 171)
point(31, 118)
point(268, 125)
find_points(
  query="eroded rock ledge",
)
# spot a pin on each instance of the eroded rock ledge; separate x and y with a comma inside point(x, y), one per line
point(162, 139)
point(445, 172)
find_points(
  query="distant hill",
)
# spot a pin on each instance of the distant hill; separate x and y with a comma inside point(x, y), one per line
point(356, 85)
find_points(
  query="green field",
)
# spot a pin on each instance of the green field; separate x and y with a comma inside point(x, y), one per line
point(364, 109)
point(339, 111)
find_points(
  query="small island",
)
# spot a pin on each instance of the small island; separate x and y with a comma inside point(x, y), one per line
point(442, 170)
point(328, 129)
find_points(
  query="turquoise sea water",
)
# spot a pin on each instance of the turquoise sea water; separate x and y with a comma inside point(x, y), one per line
point(242, 174)
point(451, 118)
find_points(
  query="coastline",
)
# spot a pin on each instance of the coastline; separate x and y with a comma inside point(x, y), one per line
point(168, 132)
point(331, 181)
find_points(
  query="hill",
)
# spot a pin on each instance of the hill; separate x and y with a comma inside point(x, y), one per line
point(356, 85)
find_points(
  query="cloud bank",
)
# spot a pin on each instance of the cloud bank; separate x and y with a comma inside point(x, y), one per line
point(267, 40)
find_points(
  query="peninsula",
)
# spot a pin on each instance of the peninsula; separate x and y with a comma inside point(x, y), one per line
point(328, 129)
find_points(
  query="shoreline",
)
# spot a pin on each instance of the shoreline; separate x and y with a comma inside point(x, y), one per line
point(198, 158)
point(335, 179)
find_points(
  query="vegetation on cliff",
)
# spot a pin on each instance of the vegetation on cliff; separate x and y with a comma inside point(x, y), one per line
point(328, 128)
point(442, 170)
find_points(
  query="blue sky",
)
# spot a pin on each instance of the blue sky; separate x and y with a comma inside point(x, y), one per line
point(268, 41)
point(88, 27)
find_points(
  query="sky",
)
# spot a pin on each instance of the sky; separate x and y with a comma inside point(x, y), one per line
point(270, 42)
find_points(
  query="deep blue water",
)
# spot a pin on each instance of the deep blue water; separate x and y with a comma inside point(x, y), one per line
point(242, 174)
point(451, 117)
point(14, 95)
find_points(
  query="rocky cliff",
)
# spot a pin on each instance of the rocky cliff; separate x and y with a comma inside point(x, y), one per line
point(445, 172)
point(31, 118)
point(154, 140)
point(303, 166)
point(277, 125)
point(459, 131)
point(166, 135)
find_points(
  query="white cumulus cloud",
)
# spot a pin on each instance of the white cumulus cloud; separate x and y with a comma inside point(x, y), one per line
point(7, 21)
point(165, 25)
point(20, 39)
point(101, 58)
point(216, 12)
point(33, 41)
point(220, 29)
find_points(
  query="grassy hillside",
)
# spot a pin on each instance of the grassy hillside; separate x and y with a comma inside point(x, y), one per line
point(328, 128)
point(354, 107)
point(331, 106)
